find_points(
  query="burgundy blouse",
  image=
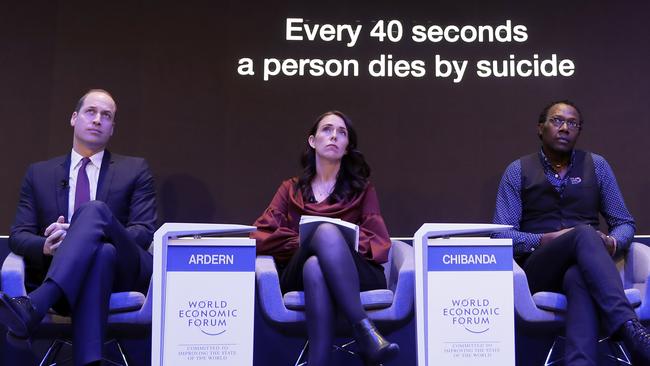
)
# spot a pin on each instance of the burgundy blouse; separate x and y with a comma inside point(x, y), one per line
point(277, 228)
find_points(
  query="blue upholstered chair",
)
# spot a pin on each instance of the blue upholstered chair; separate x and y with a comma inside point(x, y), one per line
point(389, 309)
point(130, 314)
point(635, 273)
point(544, 312)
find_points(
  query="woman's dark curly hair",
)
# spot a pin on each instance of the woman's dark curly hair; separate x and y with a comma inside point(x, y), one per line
point(353, 174)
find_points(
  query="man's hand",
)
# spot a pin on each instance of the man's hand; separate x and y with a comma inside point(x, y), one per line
point(55, 233)
point(547, 237)
point(610, 243)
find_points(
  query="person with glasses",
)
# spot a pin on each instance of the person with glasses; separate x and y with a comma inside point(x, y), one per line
point(553, 199)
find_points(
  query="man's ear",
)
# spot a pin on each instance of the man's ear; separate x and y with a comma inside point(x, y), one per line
point(73, 118)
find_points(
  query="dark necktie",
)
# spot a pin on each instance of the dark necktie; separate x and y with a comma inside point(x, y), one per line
point(82, 191)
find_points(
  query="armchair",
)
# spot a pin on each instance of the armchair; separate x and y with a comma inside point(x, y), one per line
point(389, 309)
point(129, 314)
point(545, 311)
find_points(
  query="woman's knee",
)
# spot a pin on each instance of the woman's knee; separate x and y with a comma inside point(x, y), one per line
point(312, 272)
point(326, 235)
point(326, 230)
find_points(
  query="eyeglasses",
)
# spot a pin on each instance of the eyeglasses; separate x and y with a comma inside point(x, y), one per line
point(559, 122)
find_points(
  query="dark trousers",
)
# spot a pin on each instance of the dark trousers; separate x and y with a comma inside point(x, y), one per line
point(97, 257)
point(578, 265)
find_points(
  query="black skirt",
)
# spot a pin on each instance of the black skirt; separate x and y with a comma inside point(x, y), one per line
point(371, 274)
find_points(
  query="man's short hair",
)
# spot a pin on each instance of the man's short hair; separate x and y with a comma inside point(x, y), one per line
point(83, 98)
point(544, 115)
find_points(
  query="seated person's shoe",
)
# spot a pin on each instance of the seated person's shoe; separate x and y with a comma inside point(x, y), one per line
point(636, 338)
point(374, 348)
point(19, 315)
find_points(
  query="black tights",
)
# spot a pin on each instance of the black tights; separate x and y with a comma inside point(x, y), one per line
point(331, 282)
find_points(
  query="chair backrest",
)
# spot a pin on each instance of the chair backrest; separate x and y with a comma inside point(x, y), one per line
point(526, 310)
point(635, 274)
point(388, 265)
point(13, 276)
point(401, 281)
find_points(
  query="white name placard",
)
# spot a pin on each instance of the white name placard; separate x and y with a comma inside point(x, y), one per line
point(204, 311)
point(464, 301)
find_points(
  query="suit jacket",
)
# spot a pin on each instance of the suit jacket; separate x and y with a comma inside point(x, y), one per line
point(125, 184)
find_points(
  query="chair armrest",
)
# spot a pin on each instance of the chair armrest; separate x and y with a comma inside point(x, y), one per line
point(13, 276)
point(140, 316)
point(145, 311)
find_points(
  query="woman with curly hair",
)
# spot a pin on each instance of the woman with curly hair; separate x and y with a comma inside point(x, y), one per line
point(334, 183)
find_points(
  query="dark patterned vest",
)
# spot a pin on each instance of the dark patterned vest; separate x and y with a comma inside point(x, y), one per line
point(544, 209)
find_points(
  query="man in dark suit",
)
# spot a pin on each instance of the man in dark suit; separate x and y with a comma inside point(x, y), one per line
point(83, 225)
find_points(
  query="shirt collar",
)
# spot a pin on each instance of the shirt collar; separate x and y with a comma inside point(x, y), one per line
point(96, 159)
point(547, 163)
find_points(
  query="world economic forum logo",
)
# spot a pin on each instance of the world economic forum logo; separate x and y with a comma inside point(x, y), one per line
point(474, 315)
point(211, 317)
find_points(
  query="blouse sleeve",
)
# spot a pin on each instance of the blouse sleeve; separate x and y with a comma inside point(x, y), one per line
point(274, 236)
point(374, 242)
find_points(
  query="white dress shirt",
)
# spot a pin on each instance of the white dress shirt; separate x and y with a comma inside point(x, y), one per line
point(92, 169)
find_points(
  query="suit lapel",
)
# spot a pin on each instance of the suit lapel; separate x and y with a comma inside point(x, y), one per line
point(62, 176)
point(106, 174)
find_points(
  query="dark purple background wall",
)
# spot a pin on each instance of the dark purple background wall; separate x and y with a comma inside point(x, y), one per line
point(220, 143)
